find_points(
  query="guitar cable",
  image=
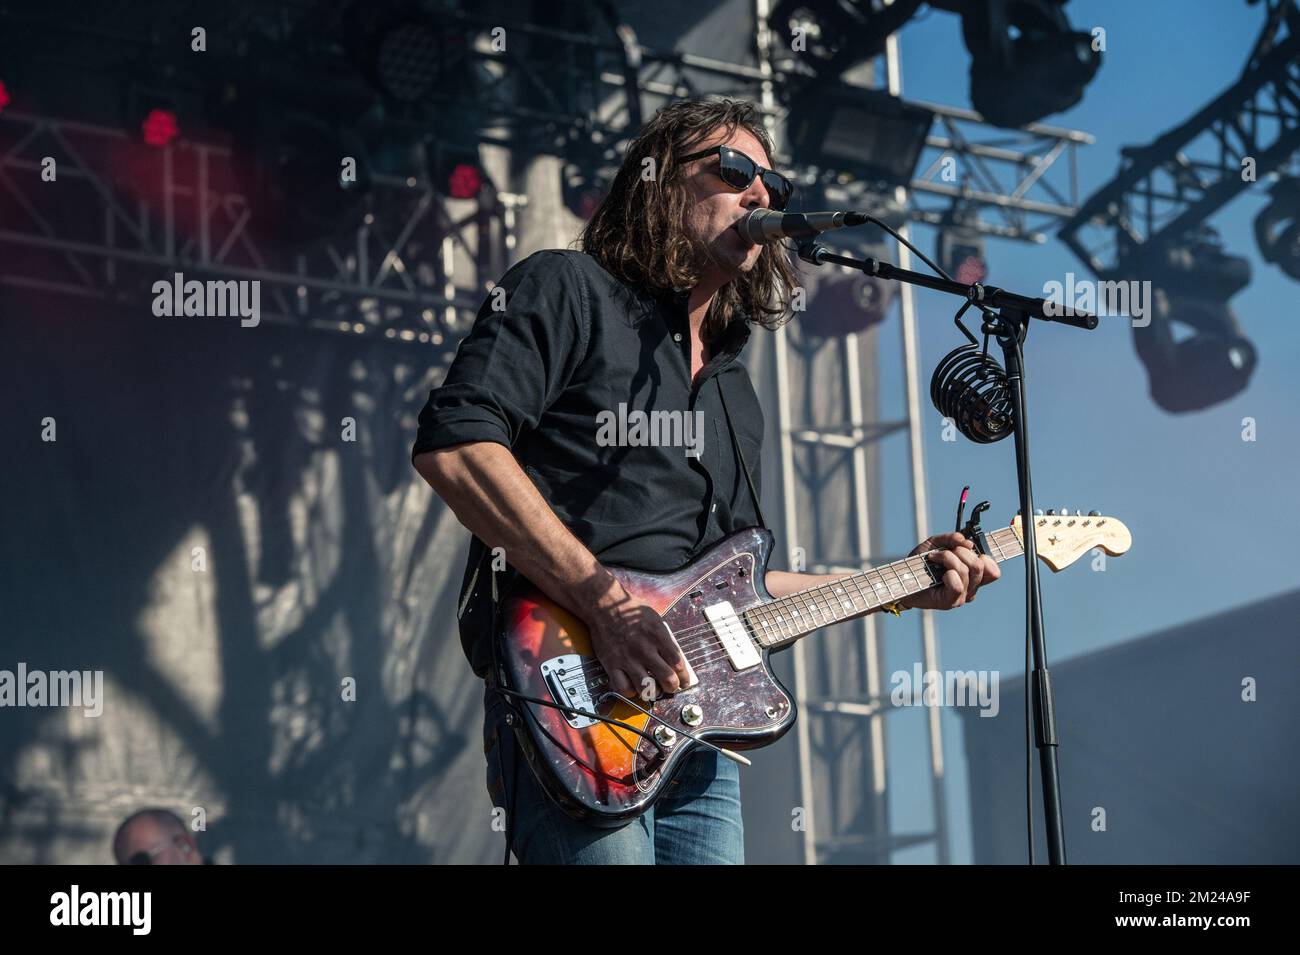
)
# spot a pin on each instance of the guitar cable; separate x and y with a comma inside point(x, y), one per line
point(649, 737)
point(735, 757)
point(515, 751)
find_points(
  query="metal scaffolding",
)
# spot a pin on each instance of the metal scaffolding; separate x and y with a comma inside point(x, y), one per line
point(401, 273)
point(1005, 175)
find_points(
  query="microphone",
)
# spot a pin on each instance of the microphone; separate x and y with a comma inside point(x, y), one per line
point(765, 225)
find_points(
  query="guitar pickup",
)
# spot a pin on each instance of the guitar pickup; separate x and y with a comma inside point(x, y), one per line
point(732, 634)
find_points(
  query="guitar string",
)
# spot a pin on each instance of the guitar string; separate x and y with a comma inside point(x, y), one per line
point(697, 637)
point(591, 666)
point(815, 601)
point(817, 594)
point(716, 650)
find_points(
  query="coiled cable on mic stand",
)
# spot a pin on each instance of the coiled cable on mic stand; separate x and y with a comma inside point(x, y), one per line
point(970, 388)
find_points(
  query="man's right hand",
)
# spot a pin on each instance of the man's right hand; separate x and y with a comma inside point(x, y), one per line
point(491, 495)
point(635, 647)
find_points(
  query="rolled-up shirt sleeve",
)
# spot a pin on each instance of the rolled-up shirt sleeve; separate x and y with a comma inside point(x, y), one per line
point(520, 353)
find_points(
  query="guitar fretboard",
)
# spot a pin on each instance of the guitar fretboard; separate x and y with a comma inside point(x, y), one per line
point(786, 619)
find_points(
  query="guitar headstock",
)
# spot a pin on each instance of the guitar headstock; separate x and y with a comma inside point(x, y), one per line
point(1062, 539)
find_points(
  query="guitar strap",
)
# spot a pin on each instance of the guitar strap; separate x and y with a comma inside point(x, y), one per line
point(740, 455)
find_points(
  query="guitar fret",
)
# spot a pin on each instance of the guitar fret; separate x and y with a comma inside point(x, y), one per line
point(901, 586)
point(762, 618)
point(845, 597)
point(817, 605)
point(925, 579)
point(856, 579)
point(784, 619)
point(801, 611)
point(819, 610)
point(930, 571)
point(770, 625)
point(909, 580)
point(829, 610)
point(879, 588)
point(780, 620)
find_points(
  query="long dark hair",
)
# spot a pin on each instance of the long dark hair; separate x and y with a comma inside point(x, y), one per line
point(638, 231)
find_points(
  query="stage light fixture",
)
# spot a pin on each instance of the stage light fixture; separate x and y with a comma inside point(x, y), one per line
point(159, 128)
point(862, 131)
point(586, 173)
point(847, 303)
point(1026, 61)
point(837, 35)
point(407, 58)
point(151, 114)
point(1192, 282)
point(960, 250)
point(1277, 227)
point(456, 170)
point(406, 54)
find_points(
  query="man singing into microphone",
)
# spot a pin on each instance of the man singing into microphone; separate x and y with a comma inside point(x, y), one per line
point(652, 315)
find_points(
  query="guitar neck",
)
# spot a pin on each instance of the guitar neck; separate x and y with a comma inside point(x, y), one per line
point(784, 620)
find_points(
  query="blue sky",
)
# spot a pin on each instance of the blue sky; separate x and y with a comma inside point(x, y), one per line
point(1212, 515)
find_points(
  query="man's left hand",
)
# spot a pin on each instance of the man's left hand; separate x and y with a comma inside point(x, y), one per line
point(964, 572)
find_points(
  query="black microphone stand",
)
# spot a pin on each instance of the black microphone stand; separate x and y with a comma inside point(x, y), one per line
point(1010, 325)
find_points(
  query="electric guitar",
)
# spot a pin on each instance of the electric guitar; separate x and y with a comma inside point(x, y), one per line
point(605, 758)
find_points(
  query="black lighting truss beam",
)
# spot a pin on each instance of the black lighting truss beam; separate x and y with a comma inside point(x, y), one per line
point(392, 276)
point(1013, 183)
point(1165, 190)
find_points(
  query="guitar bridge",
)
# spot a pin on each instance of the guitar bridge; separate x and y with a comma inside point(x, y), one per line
point(566, 676)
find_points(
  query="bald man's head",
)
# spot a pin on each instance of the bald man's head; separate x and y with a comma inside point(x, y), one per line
point(155, 837)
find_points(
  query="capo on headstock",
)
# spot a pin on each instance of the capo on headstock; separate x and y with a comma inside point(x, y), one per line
point(972, 530)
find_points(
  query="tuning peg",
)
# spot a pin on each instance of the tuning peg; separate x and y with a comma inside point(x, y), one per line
point(1051, 512)
point(1094, 513)
point(1065, 512)
point(1038, 512)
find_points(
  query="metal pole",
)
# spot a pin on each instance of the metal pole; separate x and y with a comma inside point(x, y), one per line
point(920, 505)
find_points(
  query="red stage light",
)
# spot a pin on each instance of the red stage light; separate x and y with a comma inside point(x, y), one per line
point(4, 95)
point(160, 127)
point(464, 182)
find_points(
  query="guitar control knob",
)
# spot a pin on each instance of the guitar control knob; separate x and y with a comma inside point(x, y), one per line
point(665, 735)
point(692, 715)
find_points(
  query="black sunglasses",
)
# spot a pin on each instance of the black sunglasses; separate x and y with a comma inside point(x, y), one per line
point(738, 171)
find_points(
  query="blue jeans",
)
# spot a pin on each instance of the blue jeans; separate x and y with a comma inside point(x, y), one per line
point(695, 822)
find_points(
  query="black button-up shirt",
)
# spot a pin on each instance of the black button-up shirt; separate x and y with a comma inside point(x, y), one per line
point(543, 374)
